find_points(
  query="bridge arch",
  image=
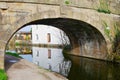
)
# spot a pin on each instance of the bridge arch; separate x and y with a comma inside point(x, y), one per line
point(50, 18)
point(80, 33)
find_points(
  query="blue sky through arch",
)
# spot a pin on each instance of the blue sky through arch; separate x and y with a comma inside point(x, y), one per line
point(25, 29)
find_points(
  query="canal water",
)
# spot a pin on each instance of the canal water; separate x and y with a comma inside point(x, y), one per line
point(72, 67)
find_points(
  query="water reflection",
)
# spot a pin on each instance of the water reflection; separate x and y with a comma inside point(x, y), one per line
point(73, 67)
point(23, 49)
point(90, 69)
point(49, 58)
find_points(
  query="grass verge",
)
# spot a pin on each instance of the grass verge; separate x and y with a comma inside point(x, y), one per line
point(3, 75)
point(13, 54)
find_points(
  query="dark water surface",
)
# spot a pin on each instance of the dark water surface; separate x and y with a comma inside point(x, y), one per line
point(72, 67)
point(90, 69)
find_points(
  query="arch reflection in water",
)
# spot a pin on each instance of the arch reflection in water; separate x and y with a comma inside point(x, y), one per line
point(52, 59)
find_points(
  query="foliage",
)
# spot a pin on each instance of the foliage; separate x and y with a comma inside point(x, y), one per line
point(104, 7)
point(21, 43)
point(116, 42)
point(3, 75)
point(17, 43)
point(116, 57)
point(67, 2)
point(13, 54)
point(107, 30)
point(27, 37)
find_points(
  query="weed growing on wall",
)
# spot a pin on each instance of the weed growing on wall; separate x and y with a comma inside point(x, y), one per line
point(67, 2)
point(104, 7)
point(114, 40)
point(107, 30)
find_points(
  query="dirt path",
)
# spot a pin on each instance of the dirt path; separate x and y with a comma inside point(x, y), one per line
point(20, 69)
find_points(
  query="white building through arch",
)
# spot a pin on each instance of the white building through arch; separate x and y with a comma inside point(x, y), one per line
point(44, 34)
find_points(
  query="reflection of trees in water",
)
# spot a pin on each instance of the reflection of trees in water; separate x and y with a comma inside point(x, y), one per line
point(64, 67)
point(23, 49)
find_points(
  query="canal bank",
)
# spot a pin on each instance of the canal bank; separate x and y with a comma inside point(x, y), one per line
point(20, 69)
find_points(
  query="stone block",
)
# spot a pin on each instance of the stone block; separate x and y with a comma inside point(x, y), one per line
point(23, 8)
point(44, 8)
point(3, 6)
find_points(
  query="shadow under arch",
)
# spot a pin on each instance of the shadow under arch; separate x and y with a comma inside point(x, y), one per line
point(85, 39)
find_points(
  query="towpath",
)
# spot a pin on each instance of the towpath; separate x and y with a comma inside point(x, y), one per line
point(20, 69)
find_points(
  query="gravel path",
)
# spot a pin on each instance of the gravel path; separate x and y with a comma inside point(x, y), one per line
point(20, 69)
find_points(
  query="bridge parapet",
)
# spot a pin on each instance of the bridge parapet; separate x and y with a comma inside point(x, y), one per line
point(111, 6)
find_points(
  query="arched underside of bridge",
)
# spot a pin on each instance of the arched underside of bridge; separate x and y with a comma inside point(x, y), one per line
point(85, 39)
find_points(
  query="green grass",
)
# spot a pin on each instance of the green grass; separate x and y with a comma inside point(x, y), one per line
point(3, 75)
point(104, 10)
point(13, 54)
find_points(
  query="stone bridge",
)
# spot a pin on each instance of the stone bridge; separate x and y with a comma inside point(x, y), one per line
point(89, 24)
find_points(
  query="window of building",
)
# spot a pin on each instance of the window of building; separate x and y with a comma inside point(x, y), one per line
point(48, 37)
point(49, 54)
